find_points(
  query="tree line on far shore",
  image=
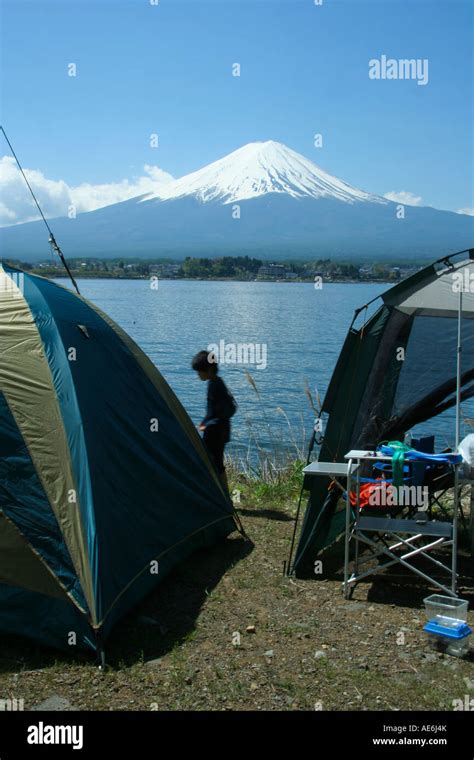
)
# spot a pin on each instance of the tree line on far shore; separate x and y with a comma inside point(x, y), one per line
point(225, 267)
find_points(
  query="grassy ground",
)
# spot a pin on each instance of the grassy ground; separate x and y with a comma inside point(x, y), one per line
point(228, 631)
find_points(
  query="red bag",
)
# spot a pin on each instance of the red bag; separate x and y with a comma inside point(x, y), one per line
point(377, 494)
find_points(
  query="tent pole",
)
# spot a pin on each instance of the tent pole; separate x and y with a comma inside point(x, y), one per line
point(458, 375)
point(458, 440)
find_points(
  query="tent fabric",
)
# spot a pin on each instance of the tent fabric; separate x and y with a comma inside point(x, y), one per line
point(26, 508)
point(438, 294)
point(27, 383)
point(396, 370)
point(103, 477)
point(46, 620)
point(22, 565)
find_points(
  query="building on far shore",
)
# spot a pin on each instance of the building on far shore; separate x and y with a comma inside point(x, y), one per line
point(275, 272)
point(165, 269)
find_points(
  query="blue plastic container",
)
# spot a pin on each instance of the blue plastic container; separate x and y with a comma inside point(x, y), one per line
point(448, 635)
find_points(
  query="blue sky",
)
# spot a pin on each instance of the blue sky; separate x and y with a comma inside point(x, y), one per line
point(166, 69)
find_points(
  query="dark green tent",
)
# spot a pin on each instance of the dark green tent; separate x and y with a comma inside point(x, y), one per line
point(104, 482)
point(396, 369)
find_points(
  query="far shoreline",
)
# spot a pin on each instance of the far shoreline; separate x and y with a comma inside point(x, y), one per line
point(227, 269)
point(96, 276)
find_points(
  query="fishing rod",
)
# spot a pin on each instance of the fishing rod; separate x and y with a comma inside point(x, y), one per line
point(52, 240)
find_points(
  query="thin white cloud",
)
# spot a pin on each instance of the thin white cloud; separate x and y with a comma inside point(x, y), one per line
point(469, 210)
point(404, 197)
point(56, 197)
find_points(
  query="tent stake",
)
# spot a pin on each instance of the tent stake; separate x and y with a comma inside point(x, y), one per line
point(100, 650)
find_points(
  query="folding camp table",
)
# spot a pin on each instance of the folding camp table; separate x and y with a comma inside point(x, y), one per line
point(408, 537)
point(336, 472)
point(333, 470)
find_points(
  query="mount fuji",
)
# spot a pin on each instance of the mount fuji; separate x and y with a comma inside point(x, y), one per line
point(257, 169)
point(264, 200)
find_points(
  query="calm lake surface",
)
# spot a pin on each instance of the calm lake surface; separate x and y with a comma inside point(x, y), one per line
point(302, 328)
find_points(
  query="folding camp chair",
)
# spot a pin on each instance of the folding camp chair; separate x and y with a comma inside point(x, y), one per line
point(438, 480)
point(396, 540)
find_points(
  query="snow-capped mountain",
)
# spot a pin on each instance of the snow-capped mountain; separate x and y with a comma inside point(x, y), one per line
point(259, 168)
point(288, 208)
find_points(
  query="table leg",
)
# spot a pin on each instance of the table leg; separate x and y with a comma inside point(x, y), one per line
point(348, 528)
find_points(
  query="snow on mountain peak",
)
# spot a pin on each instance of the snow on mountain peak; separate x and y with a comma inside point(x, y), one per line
point(259, 168)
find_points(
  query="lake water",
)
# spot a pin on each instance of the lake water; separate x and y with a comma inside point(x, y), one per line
point(302, 328)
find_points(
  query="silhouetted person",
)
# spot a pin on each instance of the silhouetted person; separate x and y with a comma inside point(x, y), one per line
point(221, 406)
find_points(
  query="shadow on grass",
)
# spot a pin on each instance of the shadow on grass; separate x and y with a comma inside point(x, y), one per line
point(405, 589)
point(271, 514)
point(159, 623)
point(398, 585)
point(174, 605)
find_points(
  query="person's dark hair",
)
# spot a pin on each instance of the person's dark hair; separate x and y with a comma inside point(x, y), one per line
point(204, 361)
